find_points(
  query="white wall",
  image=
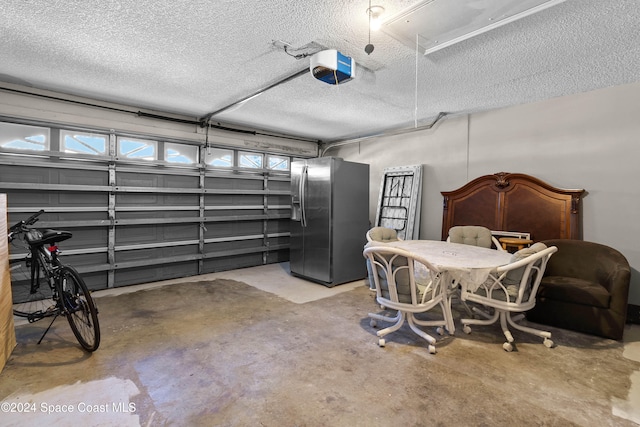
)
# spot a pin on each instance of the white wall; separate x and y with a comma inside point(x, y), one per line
point(587, 141)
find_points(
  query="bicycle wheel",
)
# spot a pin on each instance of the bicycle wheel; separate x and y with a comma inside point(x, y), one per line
point(79, 308)
point(33, 301)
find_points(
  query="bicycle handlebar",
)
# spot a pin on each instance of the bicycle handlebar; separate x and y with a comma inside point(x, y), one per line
point(34, 218)
point(22, 225)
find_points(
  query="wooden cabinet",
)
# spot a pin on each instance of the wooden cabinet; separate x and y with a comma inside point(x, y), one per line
point(7, 330)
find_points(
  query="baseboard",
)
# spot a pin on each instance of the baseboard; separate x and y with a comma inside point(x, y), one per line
point(633, 314)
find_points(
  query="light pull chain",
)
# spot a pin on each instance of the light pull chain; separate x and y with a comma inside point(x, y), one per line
point(415, 112)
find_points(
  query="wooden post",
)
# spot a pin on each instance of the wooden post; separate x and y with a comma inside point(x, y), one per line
point(7, 328)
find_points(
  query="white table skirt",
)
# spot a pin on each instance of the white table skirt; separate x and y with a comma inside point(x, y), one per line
point(468, 265)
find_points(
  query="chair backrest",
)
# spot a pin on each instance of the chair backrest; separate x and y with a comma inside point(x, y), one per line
point(393, 272)
point(514, 276)
point(518, 281)
point(589, 261)
point(474, 235)
point(382, 234)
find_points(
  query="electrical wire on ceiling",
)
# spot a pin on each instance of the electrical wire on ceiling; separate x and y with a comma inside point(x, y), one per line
point(289, 50)
point(298, 56)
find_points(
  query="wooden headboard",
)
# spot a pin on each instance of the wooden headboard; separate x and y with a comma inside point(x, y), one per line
point(514, 202)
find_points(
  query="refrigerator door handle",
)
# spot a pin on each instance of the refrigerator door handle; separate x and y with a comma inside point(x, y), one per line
point(303, 196)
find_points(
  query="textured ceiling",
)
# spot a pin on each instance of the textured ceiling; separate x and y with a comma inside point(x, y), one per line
point(196, 57)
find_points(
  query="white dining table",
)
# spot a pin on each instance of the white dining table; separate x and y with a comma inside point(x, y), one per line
point(466, 265)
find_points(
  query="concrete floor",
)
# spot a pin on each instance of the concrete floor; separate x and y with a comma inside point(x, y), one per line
point(257, 347)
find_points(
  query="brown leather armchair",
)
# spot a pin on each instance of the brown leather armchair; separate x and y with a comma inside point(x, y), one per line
point(585, 288)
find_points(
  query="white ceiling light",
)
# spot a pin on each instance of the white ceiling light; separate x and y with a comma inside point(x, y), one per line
point(440, 23)
point(374, 13)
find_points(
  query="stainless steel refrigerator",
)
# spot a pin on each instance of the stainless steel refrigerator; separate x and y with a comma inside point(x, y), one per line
point(329, 220)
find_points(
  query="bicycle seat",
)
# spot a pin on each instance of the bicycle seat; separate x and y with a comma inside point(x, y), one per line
point(46, 236)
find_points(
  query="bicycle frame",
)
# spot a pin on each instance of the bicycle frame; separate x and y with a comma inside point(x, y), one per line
point(44, 260)
point(69, 295)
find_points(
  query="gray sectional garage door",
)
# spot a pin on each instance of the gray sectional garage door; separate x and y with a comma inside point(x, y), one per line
point(144, 210)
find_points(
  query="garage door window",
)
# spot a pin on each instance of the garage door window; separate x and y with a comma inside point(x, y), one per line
point(219, 157)
point(250, 160)
point(83, 143)
point(180, 153)
point(23, 137)
point(278, 163)
point(139, 149)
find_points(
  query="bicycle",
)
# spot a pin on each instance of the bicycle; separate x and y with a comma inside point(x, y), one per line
point(52, 288)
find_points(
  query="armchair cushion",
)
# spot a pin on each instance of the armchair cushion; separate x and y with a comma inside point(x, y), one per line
point(575, 291)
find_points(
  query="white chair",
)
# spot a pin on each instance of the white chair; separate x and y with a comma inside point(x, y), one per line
point(383, 235)
point(475, 235)
point(397, 289)
point(511, 289)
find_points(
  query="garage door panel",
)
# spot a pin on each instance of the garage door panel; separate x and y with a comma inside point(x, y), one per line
point(84, 177)
point(134, 276)
point(236, 228)
point(278, 226)
point(137, 199)
point(136, 219)
point(86, 238)
point(230, 263)
point(183, 215)
point(156, 233)
point(237, 183)
point(212, 200)
point(277, 256)
point(155, 256)
point(84, 261)
point(151, 180)
point(95, 281)
point(231, 245)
